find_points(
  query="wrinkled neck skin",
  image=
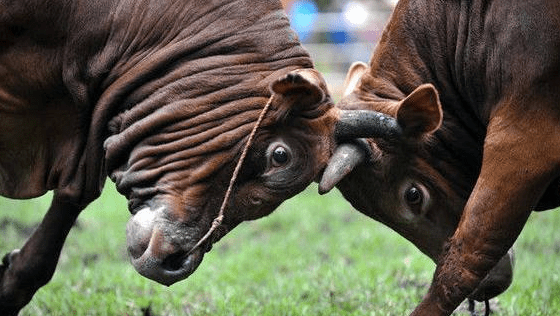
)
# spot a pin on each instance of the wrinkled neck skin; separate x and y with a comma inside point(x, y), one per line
point(103, 58)
point(118, 72)
point(191, 122)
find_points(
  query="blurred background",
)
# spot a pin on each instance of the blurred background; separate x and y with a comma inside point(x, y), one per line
point(337, 33)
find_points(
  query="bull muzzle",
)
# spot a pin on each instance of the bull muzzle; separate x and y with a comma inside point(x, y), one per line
point(350, 128)
point(157, 253)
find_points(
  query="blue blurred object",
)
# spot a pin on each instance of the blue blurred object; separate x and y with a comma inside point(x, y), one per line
point(303, 14)
point(338, 37)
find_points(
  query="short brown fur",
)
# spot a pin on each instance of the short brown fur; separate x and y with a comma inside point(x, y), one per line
point(496, 157)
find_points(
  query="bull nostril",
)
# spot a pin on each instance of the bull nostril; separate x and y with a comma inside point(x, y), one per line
point(136, 252)
point(156, 250)
point(139, 232)
point(175, 262)
point(138, 242)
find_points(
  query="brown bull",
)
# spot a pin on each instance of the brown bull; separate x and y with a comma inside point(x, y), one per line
point(467, 136)
point(159, 95)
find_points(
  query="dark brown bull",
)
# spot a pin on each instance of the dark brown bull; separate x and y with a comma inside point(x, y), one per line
point(467, 136)
point(161, 96)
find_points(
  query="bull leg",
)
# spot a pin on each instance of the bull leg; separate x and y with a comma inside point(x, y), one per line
point(520, 160)
point(24, 271)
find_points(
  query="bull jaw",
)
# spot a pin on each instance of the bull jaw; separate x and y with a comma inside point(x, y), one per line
point(153, 255)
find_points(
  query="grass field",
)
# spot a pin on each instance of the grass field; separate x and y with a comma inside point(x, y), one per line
point(313, 256)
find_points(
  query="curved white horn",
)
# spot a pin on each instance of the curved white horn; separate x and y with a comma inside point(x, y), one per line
point(345, 158)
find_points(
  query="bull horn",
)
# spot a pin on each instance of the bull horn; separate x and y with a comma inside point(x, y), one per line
point(353, 124)
point(350, 127)
point(345, 158)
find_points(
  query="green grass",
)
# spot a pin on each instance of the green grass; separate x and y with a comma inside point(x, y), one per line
point(313, 256)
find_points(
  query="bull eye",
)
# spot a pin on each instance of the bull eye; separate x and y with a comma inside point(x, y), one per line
point(280, 155)
point(413, 196)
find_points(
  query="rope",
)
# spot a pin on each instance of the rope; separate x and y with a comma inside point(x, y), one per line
point(218, 220)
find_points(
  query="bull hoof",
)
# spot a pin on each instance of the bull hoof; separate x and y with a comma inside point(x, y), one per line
point(8, 298)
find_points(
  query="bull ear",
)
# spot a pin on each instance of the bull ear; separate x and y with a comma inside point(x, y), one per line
point(353, 77)
point(420, 113)
point(301, 91)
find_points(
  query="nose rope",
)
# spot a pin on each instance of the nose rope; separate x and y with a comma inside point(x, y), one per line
point(218, 220)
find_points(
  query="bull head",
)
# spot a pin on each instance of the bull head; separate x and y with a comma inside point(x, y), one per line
point(383, 168)
point(176, 184)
